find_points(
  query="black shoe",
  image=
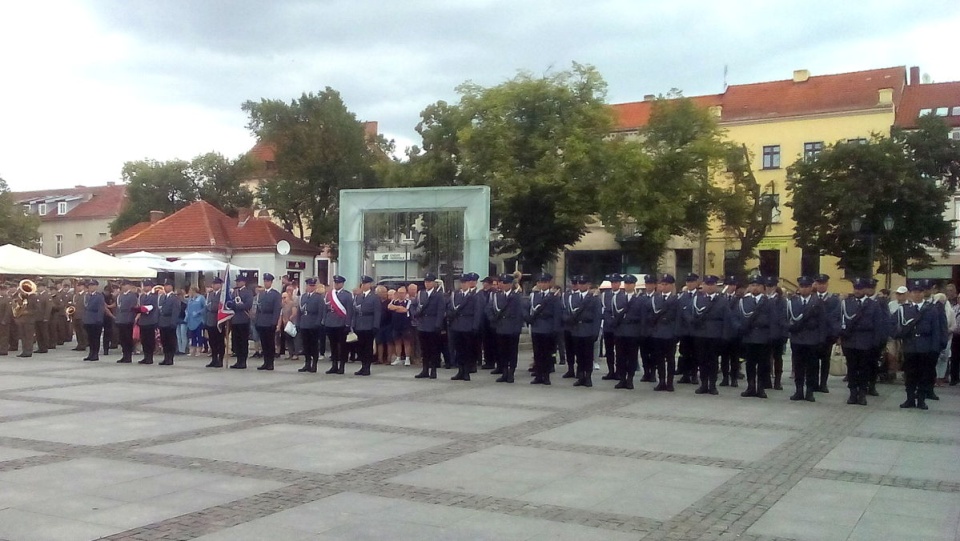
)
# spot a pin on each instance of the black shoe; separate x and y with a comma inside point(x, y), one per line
point(910, 403)
point(823, 388)
point(797, 395)
point(496, 372)
point(546, 379)
point(660, 387)
point(921, 404)
point(87, 358)
point(432, 375)
point(25, 355)
point(622, 384)
point(861, 398)
point(761, 394)
point(265, 367)
point(733, 382)
point(609, 376)
point(872, 390)
point(305, 368)
point(238, 366)
point(145, 361)
point(123, 361)
point(694, 380)
point(952, 383)
point(713, 390)
point(362, 372)
point(669, 388)
point(568, 375)
point(809, 396)
point(166, 363)
point(536, 381)
point(423, 374)
point(684, 379)
point(749, 393)
point(458, 376)
point(487, 366)
point(332, 370)
point(78, 348)
point(725, 382)
point(501, 379)
point(702, 389)
point(214, 364)
point(932, 395)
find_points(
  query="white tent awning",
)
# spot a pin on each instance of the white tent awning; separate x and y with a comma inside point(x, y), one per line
point(197, 262)
point(17, 261)
point(149, 260)
point(90, 262)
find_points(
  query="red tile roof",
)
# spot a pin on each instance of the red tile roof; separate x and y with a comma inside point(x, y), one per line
point(202, 227)
point(929, 96)
point(853, 91)
point(97, 202)
point(630, 116)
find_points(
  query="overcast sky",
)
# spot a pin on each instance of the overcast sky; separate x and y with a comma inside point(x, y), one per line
point(88, 85)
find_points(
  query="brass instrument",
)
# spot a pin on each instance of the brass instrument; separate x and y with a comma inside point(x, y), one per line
point(24, 290)
point(70, 311)
point(27, 287)
point(157, 290)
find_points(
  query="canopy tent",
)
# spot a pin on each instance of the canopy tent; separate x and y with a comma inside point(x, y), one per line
point(197, 262)
point(90, 262)
point(19, 262)
point(149, 260)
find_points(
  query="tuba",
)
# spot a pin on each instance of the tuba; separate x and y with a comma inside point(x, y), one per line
point(70, 311)
point(24, 290)
point(26, 287)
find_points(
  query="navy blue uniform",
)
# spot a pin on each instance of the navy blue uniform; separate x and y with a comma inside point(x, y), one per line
point(367, 310)
point(757, 314)
point(857, 320)
point(544, 317)
point(806, 316)
point(466, 313)
point(664, 324)
point(94, 310)
point(923, 330)
point(629, 322)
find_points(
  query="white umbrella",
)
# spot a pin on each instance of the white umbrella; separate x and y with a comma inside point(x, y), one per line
point(150, 260)
point(90, 262)
point(17, 261)
point(197, 262)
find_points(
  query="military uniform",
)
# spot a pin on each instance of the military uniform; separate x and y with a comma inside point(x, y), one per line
point(543, 316)
point(310, 325)
point(859, 334)
point(430, 312)
point(57, 319)
point(757, 312)
point(505, 313)
point(664, 323)
point(269, 306)
point(169, 308)
point(583, 313)
point(6, 321)
point(707, 317)
point(149, 317)
point(607, 324)
point(211, 317)
point(337, 318)
point(630, 318)
point(240, 301)
point(687, 364)
point(93, 310)
point(77, 301)
point(647, 355)
point(42, 321)
point(806, 315)
point(779, 332)
point(487, 336)
point(730, 353)
point(25, 319)
point(922, 329)
point(367, 312)
point(831, 330)
point(127, 305)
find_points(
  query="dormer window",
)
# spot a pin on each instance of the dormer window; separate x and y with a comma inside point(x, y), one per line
point(925, 112)
point(42, 209)
point(61, 208)
point(942, 111)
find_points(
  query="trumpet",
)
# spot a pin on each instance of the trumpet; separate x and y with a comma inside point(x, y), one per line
point(27, 287)
point(158, 289)
point(70, 311)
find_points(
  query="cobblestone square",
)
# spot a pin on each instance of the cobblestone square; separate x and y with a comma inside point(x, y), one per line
point(96, 450)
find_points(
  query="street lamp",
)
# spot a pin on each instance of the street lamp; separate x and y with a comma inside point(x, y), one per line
point(888, 224)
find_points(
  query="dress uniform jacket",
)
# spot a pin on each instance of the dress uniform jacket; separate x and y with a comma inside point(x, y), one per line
point(755, 313)
point(779, 318)
point(806, 321)
point(94, 309)
point(332, 318)
point(211, 310)
point(126, 308)
point(922, 328)
point(269, 305)
point(646, 311)
point(367, 312)
point(629, 314)
point(544, 313)
point(858, 322)
point(506, 312)
point(45, 307)
point(466, 311)
point(684, 299)
point(152, 317)
point(831, 309)
point(606, 304)
point(664, 316)
point(312, 309)
point(431, 310)
point(242, 308)
point(707, 317)
point(169, 310)
point(583, 312)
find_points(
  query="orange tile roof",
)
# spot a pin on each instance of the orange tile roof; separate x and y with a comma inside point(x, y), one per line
point(929, 96)
point(202, 227)
point(99, 202)
point(853, 91)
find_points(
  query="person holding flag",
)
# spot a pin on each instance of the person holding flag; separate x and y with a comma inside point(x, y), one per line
point(336, 323)
point(213, 312)
point(240, 303)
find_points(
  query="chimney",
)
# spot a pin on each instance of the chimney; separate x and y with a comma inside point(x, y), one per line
point(79, 186)
point(800, 76)
point(914, 75)
point(243, 214)
point(370, 130)
point(111, 184)
point(885, 96)
point(156, 216)
point(263, 214)
point(649, 97)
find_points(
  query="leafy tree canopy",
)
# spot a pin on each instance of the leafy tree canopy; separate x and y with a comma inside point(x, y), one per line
point(16, 227)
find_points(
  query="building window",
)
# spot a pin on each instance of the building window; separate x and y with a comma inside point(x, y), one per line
point(103, 235)
point(42, 209)
point(684, 262)
point(770, 262)
point(59, 244)
point(729, 261)
point(955, 111)
point(812, 150)
point(773, 201)
point(771, 157)
point(26, 210)
point(40, 244)
point(942, 111)
point(857, 141)
point(809, 262)
point(61, 208)
point(925, 112)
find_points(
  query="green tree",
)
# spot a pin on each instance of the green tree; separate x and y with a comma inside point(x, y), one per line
point(16, 227)
point(154, 185)
point(869, 182)
point(538, 142)
point(660, 184)
point(321, 148)
point(219, 181)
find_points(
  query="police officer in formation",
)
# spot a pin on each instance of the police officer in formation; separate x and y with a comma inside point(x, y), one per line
point(169, 307)
point(240, 301)
point(831, 306)
point(505, 312)
point(466, 313)
point(630, 312)
point(646, 330)
point(582, 311)
point(94, 307)
point(337, 318)
point(758, 314)
point(211, 321)
point(127, 310)
point(664, 322)
point(430, 312)
point(147, 320)
point(269, 304)
point(860, 330)
point(310, 325)
point(607, 324)
point(366, 323)
point(921, 326)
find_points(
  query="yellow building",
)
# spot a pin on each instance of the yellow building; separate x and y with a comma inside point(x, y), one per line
point(781, 122)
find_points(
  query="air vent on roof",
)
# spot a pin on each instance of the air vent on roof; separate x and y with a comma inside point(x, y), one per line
point(800, 76)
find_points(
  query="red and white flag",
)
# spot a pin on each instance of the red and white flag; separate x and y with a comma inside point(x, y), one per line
point(334, 301)
point(224, 314)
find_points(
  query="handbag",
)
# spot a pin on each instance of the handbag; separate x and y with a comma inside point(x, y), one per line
point(136, 333)
point(838, 363)
point(290, 329)
point(351, 337)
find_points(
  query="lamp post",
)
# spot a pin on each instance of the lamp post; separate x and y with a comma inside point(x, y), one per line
point(856, 225)
point(407, 242)
point(888, 224)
